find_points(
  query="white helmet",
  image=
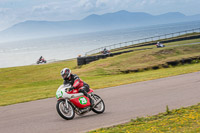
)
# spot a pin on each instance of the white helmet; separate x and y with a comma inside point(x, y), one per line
point(65, 73)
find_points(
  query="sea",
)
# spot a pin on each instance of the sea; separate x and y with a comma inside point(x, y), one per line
point(27, 52)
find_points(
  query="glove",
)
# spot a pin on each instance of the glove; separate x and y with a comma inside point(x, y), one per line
point(71, 88)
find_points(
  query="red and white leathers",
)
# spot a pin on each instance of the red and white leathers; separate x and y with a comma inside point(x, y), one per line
point(77, 83)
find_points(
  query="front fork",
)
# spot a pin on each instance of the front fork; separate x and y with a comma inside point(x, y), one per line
point(92, 96)
point(66, 103)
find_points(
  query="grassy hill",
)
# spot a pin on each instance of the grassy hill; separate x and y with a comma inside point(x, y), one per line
point(27, 83)
point(143, 59)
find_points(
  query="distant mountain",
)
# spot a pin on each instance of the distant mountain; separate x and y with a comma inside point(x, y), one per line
point(108, 21)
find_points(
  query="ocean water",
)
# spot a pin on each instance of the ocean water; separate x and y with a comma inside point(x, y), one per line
point(27, 52)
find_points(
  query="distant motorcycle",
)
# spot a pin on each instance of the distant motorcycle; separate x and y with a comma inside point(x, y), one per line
point(105, 52)
point(71, 102)
point(41, 61)
point(160, 45)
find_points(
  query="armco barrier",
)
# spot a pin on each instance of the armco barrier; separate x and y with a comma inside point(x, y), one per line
point(173, 40)
point(88, 59)
point(186, 33)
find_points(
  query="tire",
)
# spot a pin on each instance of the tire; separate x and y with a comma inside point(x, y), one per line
point(99, 108)
point(63, 112)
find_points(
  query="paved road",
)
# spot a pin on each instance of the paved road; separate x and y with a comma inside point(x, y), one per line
point(122, 103)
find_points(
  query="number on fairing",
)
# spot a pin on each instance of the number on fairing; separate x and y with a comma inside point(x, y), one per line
point(59, 94)
point(83, 100)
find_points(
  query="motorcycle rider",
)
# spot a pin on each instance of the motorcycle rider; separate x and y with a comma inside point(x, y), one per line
point(158, 44)
point(40, 58)
point(76, 83)
point(105, 51)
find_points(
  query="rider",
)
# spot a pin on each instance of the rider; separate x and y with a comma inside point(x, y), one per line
point(40, 58)
point(158, 44)
point(105, 51)
point(76, 83)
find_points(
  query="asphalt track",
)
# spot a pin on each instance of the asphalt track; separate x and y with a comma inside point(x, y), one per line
point(122, 104)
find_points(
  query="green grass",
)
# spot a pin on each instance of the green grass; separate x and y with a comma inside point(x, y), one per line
point(184, 120)
point(27, 83)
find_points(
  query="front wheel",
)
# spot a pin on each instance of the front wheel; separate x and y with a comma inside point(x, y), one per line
point(100, 107)
point(64, 111)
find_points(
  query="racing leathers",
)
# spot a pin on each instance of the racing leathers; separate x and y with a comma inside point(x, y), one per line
point(77, 83)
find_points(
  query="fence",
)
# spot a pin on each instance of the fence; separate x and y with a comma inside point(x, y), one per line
point(144, 40)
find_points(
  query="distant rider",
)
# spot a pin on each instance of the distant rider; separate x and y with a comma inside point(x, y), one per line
point(76, 83)
point(41, 58)
point(158, 44)
point(105, 51)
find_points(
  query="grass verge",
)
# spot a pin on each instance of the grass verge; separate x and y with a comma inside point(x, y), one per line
point(184, 120)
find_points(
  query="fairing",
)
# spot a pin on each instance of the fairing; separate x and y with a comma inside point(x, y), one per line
point(81, 102)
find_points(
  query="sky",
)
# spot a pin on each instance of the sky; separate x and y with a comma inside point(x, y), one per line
point(15, 11)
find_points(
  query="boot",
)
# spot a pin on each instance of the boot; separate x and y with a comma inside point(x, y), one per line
point(91, 102)
point(87, 95)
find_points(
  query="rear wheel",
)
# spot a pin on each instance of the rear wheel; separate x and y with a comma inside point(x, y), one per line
point(100, 107)
point(64, 111)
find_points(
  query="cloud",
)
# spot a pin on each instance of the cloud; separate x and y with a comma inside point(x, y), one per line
point(4, 10)
point(7, 18)
point(86, 5)
point(41, 8)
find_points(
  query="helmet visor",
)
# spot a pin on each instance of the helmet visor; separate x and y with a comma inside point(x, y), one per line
point(64, 76)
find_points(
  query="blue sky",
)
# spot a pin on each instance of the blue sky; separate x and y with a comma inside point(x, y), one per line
point(15, 11)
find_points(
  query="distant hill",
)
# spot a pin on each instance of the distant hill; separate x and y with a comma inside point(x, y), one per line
point(109, 21)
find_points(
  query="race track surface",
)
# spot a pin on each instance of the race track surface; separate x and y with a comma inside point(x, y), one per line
point(122, 104)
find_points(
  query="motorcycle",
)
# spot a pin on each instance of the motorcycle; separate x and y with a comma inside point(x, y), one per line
point(105, 52)
point(160, 45)
point(71, 102)
point(41, 61)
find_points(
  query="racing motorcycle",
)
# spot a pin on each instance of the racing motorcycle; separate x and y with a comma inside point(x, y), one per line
point(41, 61)
point(71, 102)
